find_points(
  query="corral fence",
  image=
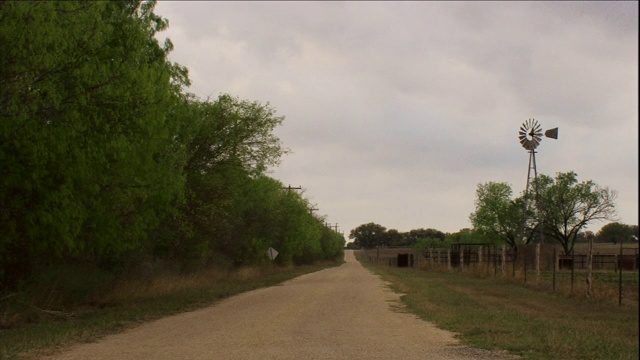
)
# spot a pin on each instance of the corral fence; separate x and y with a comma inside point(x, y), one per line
point(612, 270)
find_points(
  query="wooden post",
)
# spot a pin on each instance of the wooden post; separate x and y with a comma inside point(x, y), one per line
point(538, 262)
point(589, 268)
point(555, 264)
point(461, 258)
point(503, 264)
point(620, 277)
point(449, 259)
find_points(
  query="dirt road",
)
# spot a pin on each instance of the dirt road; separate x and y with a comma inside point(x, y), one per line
point(339, 313)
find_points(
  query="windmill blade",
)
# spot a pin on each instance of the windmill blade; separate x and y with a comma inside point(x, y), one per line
point(536, 142)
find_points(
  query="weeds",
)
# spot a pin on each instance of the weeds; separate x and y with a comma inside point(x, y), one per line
point(31, 331)
point(499, 313)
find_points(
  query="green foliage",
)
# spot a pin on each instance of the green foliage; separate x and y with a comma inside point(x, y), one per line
point(568, 206)
point(565, 208)
point(616, 232)
point(373, 235)
point(89, 161)
point(471, 236)
point(413, 235)
point(106, 160)
point(368, 235)
point(497, 216)
point(433, 243)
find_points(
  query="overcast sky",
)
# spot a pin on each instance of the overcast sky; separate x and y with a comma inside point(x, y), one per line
point(396, 111)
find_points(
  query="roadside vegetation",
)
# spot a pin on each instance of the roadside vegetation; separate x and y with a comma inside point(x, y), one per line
point(134, 301)
point(495, 313)
point(120, 190)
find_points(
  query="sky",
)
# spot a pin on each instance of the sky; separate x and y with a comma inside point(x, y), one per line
point(395, 112)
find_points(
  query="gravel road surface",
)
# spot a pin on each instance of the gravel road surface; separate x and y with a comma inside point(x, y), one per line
point(344, 312)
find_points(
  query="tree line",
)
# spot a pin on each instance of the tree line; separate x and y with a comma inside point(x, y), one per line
point(554, 210)
point(107, 160)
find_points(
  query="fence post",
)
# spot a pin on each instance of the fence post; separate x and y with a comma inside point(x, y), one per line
point(555, 264)
point(538, 262)
point(573, 266)
point(525, 262)
point(620, 278)
point(589, 268)
point(461, 258)
point(449, 259)
point(504, 258)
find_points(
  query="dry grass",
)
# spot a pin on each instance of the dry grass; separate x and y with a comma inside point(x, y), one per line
point(605, 285)
point(501, 313)
point(137, 298)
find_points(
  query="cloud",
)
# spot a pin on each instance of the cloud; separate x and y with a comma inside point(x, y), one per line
point(396, 111)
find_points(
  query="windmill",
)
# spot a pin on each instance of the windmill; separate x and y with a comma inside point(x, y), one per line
point(530, 136)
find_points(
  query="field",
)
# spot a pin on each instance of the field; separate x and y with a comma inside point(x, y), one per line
point(498, 312)
point(608, 285)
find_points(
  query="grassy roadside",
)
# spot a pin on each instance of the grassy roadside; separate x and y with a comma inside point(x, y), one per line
point(134, 303)
point(498, 314)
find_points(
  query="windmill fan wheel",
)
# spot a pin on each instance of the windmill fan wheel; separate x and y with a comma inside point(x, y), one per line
point(530, 134)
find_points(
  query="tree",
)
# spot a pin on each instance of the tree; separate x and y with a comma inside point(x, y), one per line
point(234, 131)
point(468, 236)
point(616, 232)
point(368, 235)
point(497, 216)
point(585, 236)
point(227, 195)
point(432, 243)
point(568, 206)
point(393, 237)
point(90, 161)
point(413, 236)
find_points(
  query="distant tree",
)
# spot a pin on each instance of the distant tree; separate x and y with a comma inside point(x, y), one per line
point(368, 235)
point(616, 232)
point(585, 236)
point(568, 206)
point(393, 238)
point(432, 243)
point(468, 236)
point(414, 235)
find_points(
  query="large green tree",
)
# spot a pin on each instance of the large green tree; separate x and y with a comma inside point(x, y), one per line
point(567, 206)
point(88, 130)
point(228, 151)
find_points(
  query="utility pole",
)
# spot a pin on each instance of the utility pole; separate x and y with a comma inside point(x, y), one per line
point(312, 209)
point(292, 188)
point(333, 227)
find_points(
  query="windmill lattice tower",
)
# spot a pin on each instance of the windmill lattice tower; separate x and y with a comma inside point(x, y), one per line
point(530, 136)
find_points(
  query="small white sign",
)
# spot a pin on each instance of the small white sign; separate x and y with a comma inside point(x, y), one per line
point(272, 253)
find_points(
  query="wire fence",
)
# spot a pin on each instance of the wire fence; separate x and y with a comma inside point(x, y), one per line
point(611, 274)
